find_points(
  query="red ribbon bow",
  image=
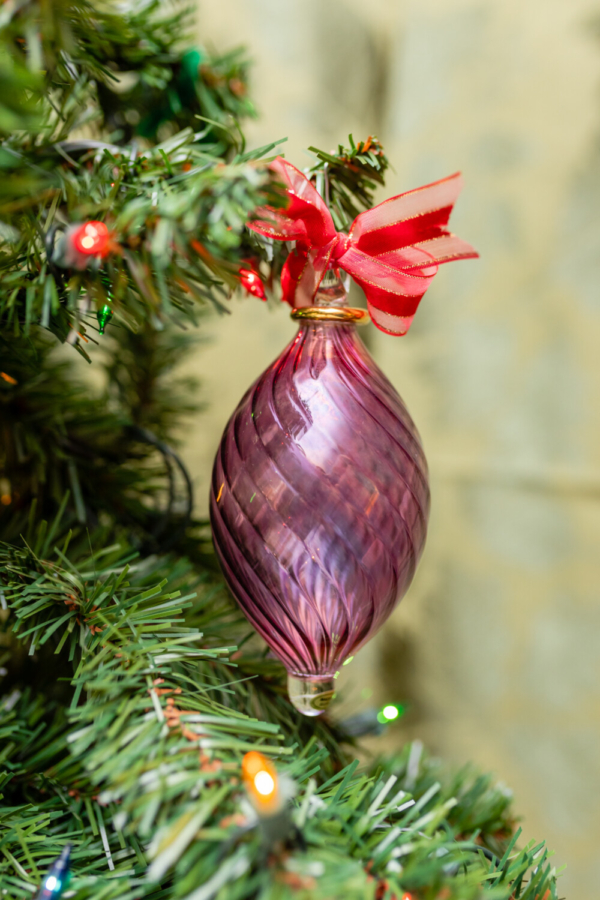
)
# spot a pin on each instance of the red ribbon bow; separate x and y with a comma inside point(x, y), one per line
point(392, 251)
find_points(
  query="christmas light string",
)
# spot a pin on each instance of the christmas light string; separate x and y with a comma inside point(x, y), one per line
point(182, 498)
point(79, 245)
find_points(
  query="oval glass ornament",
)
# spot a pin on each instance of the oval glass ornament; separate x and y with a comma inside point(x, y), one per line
point(319, 502)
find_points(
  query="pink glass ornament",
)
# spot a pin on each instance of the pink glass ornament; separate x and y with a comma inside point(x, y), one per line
point(319, 505)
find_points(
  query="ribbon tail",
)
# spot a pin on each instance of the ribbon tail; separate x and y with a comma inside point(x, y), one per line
point(291, 274)
point(300, 278)
point(415, 268)
point(391, 324)
point(393, 294)
point(302, 274)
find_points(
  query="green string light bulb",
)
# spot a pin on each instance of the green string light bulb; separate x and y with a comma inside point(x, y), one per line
point(390, 712)
point(104, 316)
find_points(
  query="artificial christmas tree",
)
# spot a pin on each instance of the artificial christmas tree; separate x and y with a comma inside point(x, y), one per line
point(128, 711)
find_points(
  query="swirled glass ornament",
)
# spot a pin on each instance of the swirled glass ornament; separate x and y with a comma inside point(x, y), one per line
point(319, 504)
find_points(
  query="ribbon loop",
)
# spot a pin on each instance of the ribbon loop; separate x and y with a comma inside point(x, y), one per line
point(392, 251)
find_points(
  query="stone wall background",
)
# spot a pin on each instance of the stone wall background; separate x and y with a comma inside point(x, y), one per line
point(497, 645)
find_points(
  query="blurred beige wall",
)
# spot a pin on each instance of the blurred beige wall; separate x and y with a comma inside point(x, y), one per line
point(497, 645)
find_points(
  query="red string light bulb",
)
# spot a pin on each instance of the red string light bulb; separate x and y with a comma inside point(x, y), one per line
point(252, 282)
point(91, 239)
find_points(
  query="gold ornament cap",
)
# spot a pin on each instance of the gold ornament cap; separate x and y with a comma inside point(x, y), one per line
point(341, 314)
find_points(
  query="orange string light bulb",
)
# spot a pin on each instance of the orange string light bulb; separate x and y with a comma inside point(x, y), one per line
point(261, 781)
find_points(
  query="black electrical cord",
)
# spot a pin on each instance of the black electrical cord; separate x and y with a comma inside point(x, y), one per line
point(173, 466)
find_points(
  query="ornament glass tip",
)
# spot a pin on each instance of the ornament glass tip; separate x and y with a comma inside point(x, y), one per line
point(310, 695)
